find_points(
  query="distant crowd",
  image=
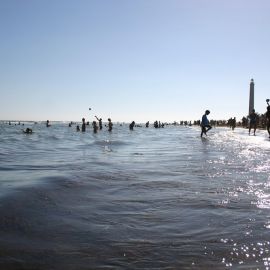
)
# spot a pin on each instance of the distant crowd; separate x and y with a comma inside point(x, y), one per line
point(252, 121)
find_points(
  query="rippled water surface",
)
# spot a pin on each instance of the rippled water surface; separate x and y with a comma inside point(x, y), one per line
point(142, 199)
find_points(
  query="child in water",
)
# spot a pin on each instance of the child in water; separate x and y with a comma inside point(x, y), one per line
point(205, 123)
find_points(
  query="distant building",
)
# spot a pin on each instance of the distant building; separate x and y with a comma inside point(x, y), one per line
point(251, 97)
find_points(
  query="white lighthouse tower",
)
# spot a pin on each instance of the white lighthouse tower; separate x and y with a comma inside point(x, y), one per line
point(251, 97)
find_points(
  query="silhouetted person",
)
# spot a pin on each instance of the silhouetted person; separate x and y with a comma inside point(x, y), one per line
point(147, 124)
point(48, 123)
point(131, 126)
point(267, 115)
point(95, 127)
point(233, 123)
point(110, 124)
point(28, 131)
point(78, 128)
point(83, 125)
point(253, 119)
point(99, 122)
point(156, 124)
point(205, 123)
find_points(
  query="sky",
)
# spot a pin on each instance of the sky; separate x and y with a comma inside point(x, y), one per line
point(140, 60)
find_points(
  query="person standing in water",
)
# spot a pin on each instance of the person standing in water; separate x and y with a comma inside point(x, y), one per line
point(83, 125)
point(267, 114)
point(205, 123)
point(233, 123)
point(99, 122)
point(95, 127)
point(110, 124)
point(253, 119)
point(131, 126)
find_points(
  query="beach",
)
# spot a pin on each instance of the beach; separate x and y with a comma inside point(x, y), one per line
point(133, 199)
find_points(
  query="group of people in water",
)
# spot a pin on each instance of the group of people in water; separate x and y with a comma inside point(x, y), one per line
point(253, 121)
point(94, 125)
point(205, 124)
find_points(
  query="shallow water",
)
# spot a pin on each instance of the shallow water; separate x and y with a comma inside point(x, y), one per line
point(142, 199)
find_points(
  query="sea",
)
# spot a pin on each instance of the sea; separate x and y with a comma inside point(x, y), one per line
point(144, 199)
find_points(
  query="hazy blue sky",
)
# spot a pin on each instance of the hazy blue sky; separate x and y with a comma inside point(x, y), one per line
point(133, 59)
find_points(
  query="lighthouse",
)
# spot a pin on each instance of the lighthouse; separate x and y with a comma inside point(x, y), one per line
point(251, 97)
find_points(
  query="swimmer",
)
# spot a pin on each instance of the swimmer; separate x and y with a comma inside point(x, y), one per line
point(28, 131)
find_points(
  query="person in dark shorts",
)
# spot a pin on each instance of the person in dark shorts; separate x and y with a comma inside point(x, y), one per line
point(205, 123)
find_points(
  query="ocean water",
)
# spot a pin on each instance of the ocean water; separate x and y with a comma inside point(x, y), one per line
point(142, 199)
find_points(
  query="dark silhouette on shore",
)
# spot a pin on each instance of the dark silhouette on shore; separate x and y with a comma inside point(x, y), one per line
point(147, 124)
point(78, 128)
point(253, 119)
point(205, 123)
point(232, 123)
point(48, 123)
point(267, 115)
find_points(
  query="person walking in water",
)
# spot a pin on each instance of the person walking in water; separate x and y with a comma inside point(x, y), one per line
point(83, 125)
point(110, 124)
point(267, 115)
point(99, 122)
point(253, 119)
point(205, 123)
